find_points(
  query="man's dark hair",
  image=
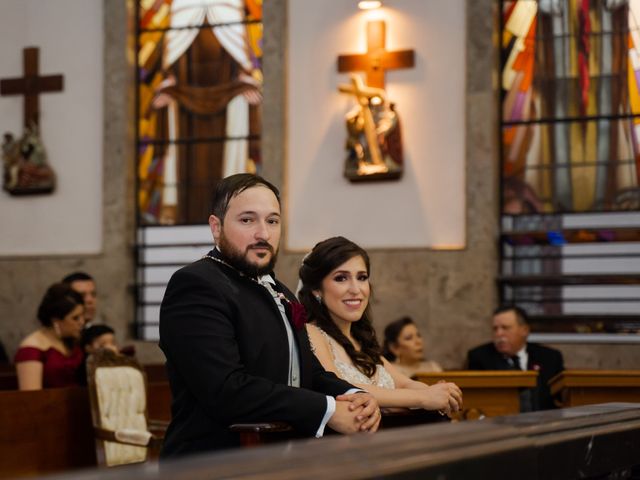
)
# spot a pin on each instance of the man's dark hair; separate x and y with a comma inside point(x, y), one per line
point(59, 300)
point(521, 315)
point(76, 277)
point(233, 185)
point(89, 334)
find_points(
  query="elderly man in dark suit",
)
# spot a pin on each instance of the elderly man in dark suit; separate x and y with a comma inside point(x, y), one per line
point(511, 351)
point(234, 337)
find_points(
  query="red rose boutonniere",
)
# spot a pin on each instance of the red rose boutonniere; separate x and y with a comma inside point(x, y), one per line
point(298, 315)
point(536, 367)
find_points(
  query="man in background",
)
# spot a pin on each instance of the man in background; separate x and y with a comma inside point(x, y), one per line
point(85, 285)
point(511, 351)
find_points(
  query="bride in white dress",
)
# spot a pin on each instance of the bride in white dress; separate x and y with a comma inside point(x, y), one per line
point(335, 292)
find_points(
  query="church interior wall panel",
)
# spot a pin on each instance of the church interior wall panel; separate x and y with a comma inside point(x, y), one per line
point(26, 278)
point(70, 126)
point(430, 102)
point(449, 293)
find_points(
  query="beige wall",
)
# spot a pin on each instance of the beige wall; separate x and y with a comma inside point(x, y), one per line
point(446, 292)
point(24, 280)
point(450, 294)
point(70, 124)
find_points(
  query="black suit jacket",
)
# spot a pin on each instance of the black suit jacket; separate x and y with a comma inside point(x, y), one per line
point(227, 360)
point(546, 361)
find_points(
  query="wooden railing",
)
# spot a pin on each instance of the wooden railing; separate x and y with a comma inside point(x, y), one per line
point(594, 441)
point(485, 393)
point(586, 387)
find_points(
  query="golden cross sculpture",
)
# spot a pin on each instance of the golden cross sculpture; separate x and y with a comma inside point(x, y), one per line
point(31, 85)
point(377, 60)
point(363, 95)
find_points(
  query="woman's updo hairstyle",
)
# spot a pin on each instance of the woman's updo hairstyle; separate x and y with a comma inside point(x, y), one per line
point(59, 300)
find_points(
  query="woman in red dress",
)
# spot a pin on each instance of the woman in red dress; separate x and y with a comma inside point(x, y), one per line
point(51, 356)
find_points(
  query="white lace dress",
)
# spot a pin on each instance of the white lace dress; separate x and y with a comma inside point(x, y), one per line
point(348, 371)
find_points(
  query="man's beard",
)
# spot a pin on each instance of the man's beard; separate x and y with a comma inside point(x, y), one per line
point(238, 259)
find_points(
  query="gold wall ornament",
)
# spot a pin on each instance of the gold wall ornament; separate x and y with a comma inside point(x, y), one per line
point(374, 141)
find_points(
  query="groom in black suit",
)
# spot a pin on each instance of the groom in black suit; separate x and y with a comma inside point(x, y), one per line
point(234, 337)
point(511, 351)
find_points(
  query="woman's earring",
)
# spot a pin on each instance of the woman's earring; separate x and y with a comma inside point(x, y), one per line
point(56, 329)
point(319, 298)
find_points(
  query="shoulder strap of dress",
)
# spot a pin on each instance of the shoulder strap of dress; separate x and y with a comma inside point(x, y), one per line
point(330, 341)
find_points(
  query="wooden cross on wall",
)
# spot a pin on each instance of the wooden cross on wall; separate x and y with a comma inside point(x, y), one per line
point(377, 60)
point(31, 85)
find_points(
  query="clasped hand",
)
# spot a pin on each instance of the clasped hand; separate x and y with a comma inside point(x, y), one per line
point(446, 397)
point(356, 412)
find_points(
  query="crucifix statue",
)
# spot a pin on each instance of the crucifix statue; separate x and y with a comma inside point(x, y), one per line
point(26, 171)
point(374, 139)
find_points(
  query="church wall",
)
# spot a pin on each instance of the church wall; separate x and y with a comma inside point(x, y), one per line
point(449, 293)
point(24, 279)
point(446, 292)
point(424, 208)
point(69, 221)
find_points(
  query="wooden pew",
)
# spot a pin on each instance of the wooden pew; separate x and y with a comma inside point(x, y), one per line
point(45, 431)
point(596, 441)
point(159, 408)
point(8, 380)
point(159, 401)
point(488, 393)
point(156, 372)
point(588, 387)
point(50, 430)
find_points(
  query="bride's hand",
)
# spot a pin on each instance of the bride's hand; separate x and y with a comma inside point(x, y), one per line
point(443, 396)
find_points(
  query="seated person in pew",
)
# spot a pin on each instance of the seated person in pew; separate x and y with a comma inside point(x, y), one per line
point(98, 337)
point(85, 285)
point(101, 336)
point(335, 292)
point(403, 347)
point(234, 339)
point(510, 350)
point(95, 338)
point(51, 356)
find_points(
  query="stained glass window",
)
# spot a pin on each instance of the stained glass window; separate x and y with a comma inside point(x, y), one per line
point(199, 95)
point(570, 106)
point(570, 163)
point(198, 119)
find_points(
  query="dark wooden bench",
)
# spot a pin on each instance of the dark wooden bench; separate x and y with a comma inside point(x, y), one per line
point(51, 430)
point(8, 380)
point(592, 442)
point(155, 372)
point(45, 431)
